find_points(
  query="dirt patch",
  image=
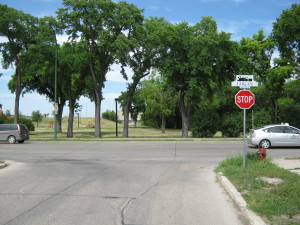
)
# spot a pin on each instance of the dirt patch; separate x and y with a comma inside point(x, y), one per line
point(270, 180)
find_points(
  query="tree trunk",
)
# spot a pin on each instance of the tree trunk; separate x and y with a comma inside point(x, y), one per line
point(71, 118)
point(59, 116)
point(185, 109)
point(163, 125)
point(18, 92)
point(130, 93)
point(98, 83)
point(126, 116)
point(98, 97)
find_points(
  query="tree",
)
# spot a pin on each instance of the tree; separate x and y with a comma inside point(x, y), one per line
point(104, 26)
point(159, 99)
point(257, 58)
point(40, 61)
point(37, 117)
point(142, 55)
point(286, 35)
point(19, 29)
point(196, 56)
point(74, 70)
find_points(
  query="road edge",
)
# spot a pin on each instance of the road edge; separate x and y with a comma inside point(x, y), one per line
point(253, 218)
point(3, 165)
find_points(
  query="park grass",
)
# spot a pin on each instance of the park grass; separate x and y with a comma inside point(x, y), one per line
point(82, 130)
point(276, 203)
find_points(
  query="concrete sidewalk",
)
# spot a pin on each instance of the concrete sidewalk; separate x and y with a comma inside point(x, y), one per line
point(292, 164)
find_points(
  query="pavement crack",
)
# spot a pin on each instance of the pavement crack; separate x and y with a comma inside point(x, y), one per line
point(121, 218)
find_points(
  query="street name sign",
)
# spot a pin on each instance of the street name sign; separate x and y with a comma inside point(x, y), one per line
point(244, 81)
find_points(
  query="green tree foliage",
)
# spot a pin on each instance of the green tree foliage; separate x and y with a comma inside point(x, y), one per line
point(159, 99)
point(37, 117)
point(256, 58)
point(74, 70)
point(19, 29)
point(289, 103)
point(196, 56)
point(105, 27)
point(286, 34)
point(109, 115)
point(142, 56)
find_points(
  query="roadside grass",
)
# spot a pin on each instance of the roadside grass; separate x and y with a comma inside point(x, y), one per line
point(276, 203)
point(1, 162)
point(82, 130)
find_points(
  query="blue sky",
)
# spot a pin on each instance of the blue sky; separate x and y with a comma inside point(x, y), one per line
point(242, 18)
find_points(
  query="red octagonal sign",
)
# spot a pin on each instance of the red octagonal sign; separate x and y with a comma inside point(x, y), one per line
point(244, 99)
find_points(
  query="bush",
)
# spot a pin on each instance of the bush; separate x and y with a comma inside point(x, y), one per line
point(109, 115)
point(261, 118)
point(28, 123)
point(204, 123)
point(232, 124)
point(22, 120)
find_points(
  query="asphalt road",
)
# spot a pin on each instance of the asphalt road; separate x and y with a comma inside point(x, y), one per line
point(107, 183)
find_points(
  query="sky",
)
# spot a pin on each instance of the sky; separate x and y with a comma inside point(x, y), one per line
point(241, 18)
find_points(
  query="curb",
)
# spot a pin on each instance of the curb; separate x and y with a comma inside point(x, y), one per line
point(3, 165)
point(240, 201)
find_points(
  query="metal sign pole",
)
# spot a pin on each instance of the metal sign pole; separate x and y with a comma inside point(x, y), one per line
point(244, 161)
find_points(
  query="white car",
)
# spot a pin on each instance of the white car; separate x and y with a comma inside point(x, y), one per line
point(274, 135)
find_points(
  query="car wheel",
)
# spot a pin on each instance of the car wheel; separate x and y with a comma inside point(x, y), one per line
point(12, 139)
point(21, 141)
point(265, 143)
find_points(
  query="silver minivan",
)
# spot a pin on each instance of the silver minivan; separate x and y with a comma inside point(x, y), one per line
point(14, 133)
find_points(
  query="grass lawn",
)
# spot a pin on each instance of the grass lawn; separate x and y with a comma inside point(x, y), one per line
point(276, 203)
point(108, 130)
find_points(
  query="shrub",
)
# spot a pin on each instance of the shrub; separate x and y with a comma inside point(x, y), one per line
point(109, 115)
point(28, 123)
point(261, 118)
point(204, 123)
point(232, 124)
point(22, 120)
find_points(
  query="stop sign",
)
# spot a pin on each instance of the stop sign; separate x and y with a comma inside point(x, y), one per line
point(244, 99)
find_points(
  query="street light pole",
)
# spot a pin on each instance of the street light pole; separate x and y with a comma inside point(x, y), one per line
point(116, 99)
point(55, 82)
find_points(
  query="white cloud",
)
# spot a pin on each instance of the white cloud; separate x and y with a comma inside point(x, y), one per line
point(7, 95)
point(238, 28)
point(115, 74)
point(62, 38)
point(7, 78)
point(3, 39)
point(111, 95)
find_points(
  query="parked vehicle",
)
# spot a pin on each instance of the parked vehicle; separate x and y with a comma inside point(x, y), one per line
point(274, 135)
point(13, 133)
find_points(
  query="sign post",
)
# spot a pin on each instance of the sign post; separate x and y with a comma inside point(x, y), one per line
point(244, 99)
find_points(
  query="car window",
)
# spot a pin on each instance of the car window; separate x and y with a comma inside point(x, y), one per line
point(7, 127)
point(291, 130)
point(278, 129)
